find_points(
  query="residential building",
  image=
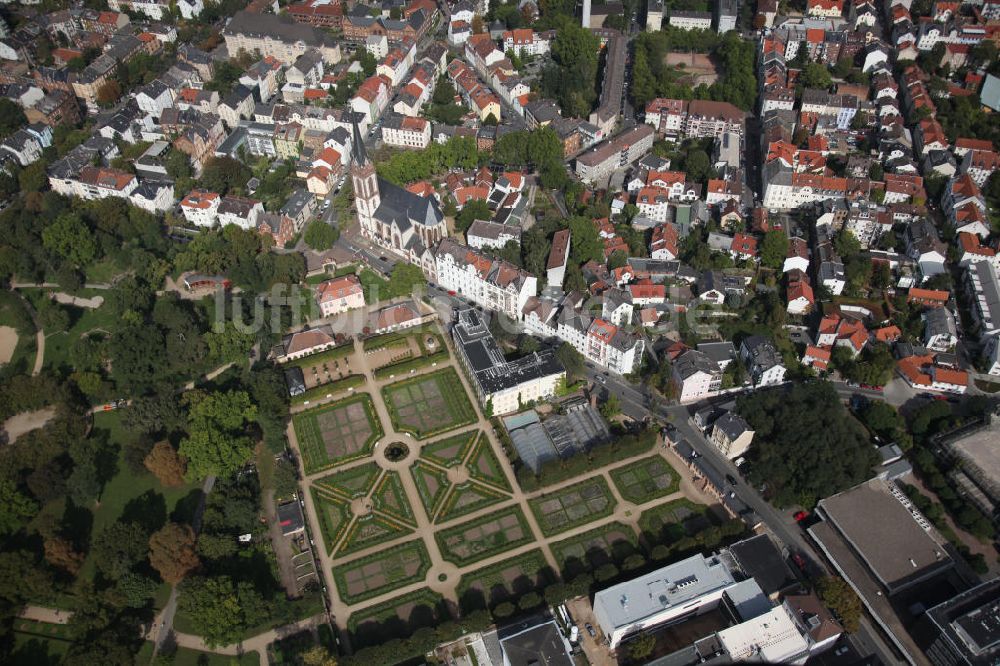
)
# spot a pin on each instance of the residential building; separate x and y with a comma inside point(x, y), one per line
point(201, 208)
point(689, 20)
point(731, 434)
point(241, 211)
point(406, 131)
point(940, 332)
point(762, 360)
point(696, 376)
point(277, 37)
point(601, 161)
point(340, 295)
point(558, 257)
point(492, 283)
point(984, 289)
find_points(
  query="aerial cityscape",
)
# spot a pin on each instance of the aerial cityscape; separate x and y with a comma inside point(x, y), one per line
point(482, 333)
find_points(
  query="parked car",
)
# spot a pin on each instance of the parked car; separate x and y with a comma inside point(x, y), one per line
point(590, 630)
point(800, 516)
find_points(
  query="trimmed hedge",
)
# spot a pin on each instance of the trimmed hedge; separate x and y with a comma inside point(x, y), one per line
point(326, 390)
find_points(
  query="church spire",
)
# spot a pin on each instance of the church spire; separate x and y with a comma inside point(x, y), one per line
point(358, 152)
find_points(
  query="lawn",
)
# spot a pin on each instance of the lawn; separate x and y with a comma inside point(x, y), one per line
point(36, 649)
point(139, 498)
point(59, 345)
point(484, 537)
point(429, 404)
point(381, 572)
point(334, 517)
point(646, 479)
point(450, 451)
point(504, 581)
point(467, 498)
point(337, 432)
point(576, 505)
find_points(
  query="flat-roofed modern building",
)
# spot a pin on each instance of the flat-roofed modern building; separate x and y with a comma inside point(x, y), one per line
point(901, 552)
point(504, 386)
point(966, 628)
point(771, 638)
point(667, 595)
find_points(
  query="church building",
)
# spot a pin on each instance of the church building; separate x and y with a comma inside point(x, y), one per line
point(394, 218)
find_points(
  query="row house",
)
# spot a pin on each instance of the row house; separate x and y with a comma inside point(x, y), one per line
point(929, 136)
point(527, 42)
point(92, 182)
point(787, 190)
point(406, 132)
point(203, 101)
point(281, 39)
point(159, 9)
point(868, 224)
point(57, 107)
point(492, 283)
point(984, 289)
point(820, 102)
point(236, 106)
point(371, 98)
point(978, 164)
point(695, 118)
point(358, 29)
point(397, 63)
point(200, 140)
point(903, 188)
point(799, 297)
point(965, 207)
point(417, 92)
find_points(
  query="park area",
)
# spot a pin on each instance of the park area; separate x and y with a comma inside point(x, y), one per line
point(505, 581)
point(576, 505)
point(698, 67)
point(337, 433)
point(608, 544)
point(360, 507)
point(484, 537)
point(381, 572)
point(646, 480)
point(429, 404)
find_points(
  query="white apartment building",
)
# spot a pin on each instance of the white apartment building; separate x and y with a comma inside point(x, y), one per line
point(492, 283)
point(406, 131)
point(239, 211)
point(696, 376)
point(731, 435)
point(201, 208)
point(690, 20)
point(525, 41)
point(615, 153)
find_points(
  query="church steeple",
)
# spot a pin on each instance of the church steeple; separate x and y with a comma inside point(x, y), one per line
point(358, 152)
point(367, 196)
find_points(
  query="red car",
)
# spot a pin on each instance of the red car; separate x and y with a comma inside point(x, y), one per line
point(800, 516)
point(451, 292)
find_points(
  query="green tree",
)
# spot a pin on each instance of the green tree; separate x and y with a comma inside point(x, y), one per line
point(221, 608)
point(12, 118)
point(16, 508)
point(119, 547)
point(320, 236)
point(611, 406)
point(571, 359)
point(774, 248)
point(571, 78)
point(815, 75)
point(641, 647)
point(70, 239)
point(476, 209)
point(698, 166)
point(586, 243)
point(806, 445)
point(846, 245)
point(216, 443)
point(842, 600)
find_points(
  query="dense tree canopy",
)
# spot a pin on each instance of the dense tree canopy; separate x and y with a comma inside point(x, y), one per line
point(571, 78)
point(217, 443)
point(806, 445)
